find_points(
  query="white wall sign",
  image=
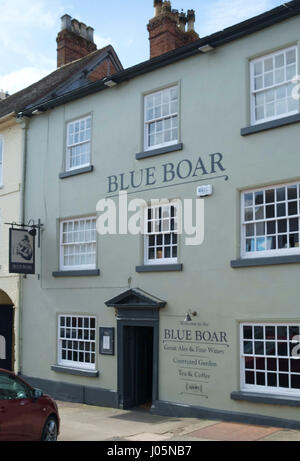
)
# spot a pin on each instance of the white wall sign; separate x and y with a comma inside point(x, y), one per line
point(204, 191)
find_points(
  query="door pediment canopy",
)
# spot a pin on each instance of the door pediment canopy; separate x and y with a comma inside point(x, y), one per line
point(136, 299)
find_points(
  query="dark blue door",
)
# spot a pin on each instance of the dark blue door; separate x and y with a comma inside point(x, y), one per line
point(137, 366)
point(6, 337)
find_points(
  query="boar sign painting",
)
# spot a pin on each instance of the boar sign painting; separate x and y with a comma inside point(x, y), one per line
point(21, 252)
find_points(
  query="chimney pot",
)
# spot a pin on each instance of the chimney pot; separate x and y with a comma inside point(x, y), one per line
point(191, 18)
point(76, 26)
point(90, 34)
point(166, 7)
point(83, 31)
point(157, 7)
point(66, 22)
point(182, 21)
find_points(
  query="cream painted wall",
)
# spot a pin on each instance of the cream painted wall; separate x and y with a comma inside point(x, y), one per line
point(10, 196)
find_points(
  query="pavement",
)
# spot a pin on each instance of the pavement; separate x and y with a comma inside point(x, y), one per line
point(88, 423)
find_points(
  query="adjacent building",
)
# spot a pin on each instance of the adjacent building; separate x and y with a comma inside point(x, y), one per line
point(12, 135)
point(79, 64)
point(193, 325)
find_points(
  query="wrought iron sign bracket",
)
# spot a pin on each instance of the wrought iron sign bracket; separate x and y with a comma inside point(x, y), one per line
point(32, 226)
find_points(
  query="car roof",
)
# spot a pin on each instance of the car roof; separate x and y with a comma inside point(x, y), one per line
point(11, 373)
point(6, 371)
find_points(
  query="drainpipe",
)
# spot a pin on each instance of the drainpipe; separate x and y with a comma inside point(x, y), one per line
point(23, 123)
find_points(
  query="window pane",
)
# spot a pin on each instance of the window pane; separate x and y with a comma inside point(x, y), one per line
point(267, 360)
point(279, 76)
point(79, 243)
point(292, 208)
point(274, 70)
point(158, 108)
point(69, 351)
point(248, 347)
point(260, 379)
point(248, 332)
point(161, 239)
point(78, 142)
point(249, 377)
point(249, 363)
point(258, 83)
point(248, 200)
point(258, 68)
point(259, 348)
point(270, 196)
point(249, 214)
point(272, 209)
point(259, 332)
point(279, 60)
point(291, 72)
point(268, 64)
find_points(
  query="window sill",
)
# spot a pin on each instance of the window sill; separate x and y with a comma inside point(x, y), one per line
point(75, 371)
point(270, 261)
point(272, 399)
point(68, 174)
point(83, 273)
point(160, 268)
point(270, 125)
point(161, 151)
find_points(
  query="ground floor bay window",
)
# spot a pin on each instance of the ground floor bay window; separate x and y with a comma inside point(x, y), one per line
point(269, 360)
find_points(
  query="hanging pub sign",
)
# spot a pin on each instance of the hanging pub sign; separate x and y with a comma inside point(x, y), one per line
point(21, 252)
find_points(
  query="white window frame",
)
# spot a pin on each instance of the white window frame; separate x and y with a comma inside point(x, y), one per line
point(160, 261)
point(171, 115)
point(71, 363)
point(70, 146)
point(62, 245)
point(1, 159)
point(275, 252)
point(275, 86)
point(266, 389)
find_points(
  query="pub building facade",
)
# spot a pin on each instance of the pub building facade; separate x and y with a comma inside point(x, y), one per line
point(121, 320)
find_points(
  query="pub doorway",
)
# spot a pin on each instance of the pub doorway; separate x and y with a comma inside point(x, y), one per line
point(137, 315)
point(138, 366)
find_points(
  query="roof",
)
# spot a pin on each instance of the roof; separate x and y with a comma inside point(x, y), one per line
point(255, 24)
point(45, 87)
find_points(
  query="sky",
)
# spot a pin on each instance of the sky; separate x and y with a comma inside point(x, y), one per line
point(28, 29)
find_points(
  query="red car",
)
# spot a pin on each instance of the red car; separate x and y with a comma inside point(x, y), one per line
point(25, 413)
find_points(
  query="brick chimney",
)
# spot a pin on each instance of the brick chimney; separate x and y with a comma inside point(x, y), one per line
point(167, 30)
point(74, 41)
